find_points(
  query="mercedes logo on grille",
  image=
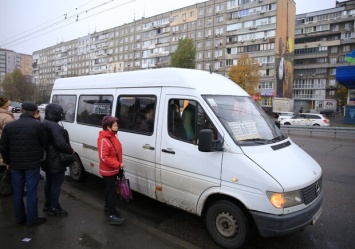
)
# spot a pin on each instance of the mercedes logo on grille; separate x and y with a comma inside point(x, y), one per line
point(317, 188)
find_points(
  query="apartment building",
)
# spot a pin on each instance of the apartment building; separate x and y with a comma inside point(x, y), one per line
point(10, 61)
point(221, 29)
point(322, 40)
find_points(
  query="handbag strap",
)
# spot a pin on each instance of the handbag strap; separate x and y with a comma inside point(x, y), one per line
point(115, 150)
point(121, 171)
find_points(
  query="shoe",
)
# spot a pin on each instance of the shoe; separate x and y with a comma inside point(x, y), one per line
point(38, 221)
point(115, 220)
point(57, 212)
point(46, 207)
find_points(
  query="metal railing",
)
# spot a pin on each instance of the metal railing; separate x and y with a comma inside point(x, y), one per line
point(319, 129)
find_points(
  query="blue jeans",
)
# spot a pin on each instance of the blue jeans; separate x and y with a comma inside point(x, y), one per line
point(52, 188)
point(31, 178)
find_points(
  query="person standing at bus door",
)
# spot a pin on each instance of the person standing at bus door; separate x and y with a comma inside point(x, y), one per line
point(55, 171)
point(22, 144)
point(110, 156)
point(6, 116)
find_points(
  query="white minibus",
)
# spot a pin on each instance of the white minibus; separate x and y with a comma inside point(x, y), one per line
point(209, 149)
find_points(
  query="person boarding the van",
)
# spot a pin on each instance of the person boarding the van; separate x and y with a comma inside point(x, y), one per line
point(22, 144)
point(55, 170)
point(110, 156)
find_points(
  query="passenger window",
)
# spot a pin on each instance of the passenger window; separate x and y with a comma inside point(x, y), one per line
point(92, 108)
point(68, 102)
point(136, 114)
point(186, 118)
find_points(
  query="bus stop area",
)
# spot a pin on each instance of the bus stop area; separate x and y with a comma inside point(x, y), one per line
point(86, 226)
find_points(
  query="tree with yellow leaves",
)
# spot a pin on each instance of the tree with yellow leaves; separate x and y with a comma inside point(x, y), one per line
point(245, 73)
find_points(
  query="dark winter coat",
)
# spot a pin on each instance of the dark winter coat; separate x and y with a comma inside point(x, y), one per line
point(22, 142)
point(58, 139)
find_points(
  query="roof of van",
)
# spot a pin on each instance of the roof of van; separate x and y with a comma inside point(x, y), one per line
point(203, 81)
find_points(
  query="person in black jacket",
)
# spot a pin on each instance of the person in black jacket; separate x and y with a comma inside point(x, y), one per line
point(58, 141)
point(22, 144)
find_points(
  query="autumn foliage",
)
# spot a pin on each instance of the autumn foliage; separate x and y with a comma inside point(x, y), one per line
point(245, 73)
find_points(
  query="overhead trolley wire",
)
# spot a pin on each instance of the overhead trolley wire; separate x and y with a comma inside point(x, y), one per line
point(77, 16)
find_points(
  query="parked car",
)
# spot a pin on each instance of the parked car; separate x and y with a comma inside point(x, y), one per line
point(42, 107)
point(15, 106)
point(283, 115)
point(309, 119)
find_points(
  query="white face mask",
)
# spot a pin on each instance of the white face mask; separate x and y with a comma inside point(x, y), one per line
point(9, 108)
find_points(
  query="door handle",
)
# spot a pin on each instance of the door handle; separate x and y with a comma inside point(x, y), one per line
point(168, 151)
point(147, 147)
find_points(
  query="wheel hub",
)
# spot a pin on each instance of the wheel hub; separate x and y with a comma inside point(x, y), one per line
point(226, 225)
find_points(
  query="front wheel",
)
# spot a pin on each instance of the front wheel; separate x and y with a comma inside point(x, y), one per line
point(227, 224)
point(77, 171)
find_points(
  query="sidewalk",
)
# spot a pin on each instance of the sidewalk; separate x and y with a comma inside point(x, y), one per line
point(85, 227)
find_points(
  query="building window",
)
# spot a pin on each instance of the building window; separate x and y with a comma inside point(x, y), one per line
point(200, 12)
point(334, 49)
point(346, 48)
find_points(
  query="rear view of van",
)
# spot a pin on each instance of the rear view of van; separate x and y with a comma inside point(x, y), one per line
point(197, 141)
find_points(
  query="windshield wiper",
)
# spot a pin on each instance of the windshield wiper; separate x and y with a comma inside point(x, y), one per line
point(277, 139)
point(255, 140)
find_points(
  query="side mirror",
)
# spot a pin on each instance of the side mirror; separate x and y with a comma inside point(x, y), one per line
point(206, 142)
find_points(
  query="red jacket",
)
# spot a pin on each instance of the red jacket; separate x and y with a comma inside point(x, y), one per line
point(110, 162)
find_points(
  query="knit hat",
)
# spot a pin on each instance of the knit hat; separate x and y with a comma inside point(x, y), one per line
point(4, 102)
point(29, 106)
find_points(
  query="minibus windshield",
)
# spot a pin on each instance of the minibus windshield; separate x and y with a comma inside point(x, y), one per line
point(244, 119)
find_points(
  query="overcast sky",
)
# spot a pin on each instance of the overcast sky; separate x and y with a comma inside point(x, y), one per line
point(21, 20)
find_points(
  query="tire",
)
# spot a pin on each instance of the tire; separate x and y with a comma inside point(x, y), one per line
point(316, 125)
point(287, 123)
point(77, 171)
point(227, 224)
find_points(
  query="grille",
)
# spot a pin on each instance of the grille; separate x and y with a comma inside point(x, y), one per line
point(311, 192)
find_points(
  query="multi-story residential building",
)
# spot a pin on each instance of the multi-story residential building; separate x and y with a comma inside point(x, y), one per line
point(322, 39)
point(221, 29)
point(26, 64)
point(10, 60)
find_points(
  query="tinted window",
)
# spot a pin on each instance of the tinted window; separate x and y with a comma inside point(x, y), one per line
point(68, 102)
point(92, 108)
point(136, 114)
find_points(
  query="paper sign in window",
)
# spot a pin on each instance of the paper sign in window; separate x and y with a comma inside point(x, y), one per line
point(244, 130)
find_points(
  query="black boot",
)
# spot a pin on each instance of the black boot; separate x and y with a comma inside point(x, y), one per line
point(115, 220)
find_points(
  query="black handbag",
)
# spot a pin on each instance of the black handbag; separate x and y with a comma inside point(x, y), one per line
point(66, 159)
point(5, 183)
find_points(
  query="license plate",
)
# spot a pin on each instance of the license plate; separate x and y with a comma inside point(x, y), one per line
point(316, 216)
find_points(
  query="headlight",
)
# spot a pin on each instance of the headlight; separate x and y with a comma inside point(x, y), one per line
point(284, 200)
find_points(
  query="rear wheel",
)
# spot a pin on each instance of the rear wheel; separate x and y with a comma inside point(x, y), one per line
point(287, 123)
point(316, 125)
point(77, 171)
point(227, 224)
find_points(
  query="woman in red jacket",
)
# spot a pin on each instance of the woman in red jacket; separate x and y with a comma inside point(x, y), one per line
point(110, 155)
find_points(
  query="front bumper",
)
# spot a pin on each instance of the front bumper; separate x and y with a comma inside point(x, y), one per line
point(270, 225)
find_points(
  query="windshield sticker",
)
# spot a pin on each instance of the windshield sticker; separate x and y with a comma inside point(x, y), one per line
point(244, 130)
